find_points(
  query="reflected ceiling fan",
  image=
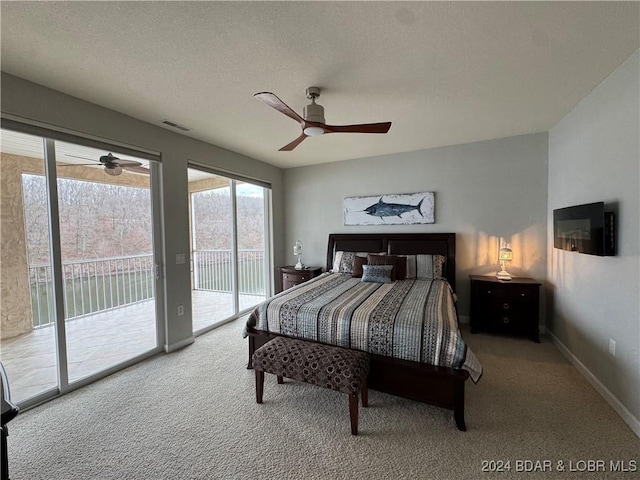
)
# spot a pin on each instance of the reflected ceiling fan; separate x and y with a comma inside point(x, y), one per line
point(113, 165)
point(313, 123)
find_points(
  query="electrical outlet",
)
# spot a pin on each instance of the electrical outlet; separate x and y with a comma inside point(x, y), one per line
point(180, 310)
point(612, 347)
point(180, 258)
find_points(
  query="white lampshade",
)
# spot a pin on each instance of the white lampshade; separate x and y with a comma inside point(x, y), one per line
point(506, 254)
point(297, 248)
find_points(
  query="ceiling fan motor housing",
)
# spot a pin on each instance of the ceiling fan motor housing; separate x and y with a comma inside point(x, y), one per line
point(313, 113)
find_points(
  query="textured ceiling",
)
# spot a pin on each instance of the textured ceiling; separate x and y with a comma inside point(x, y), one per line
point(443, 72)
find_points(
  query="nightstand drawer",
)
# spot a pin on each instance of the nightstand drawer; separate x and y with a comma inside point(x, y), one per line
point(295, 279)
point(512, 299)
point(509, 323)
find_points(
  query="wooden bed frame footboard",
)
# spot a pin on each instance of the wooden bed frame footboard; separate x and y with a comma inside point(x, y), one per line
point(440, 386)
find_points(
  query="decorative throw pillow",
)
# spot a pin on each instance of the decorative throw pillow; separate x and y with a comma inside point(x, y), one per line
point(425, 266)
point(377, 273)
point(400, 271)
point(343, 261)
point(358, 263)
point(373, 259)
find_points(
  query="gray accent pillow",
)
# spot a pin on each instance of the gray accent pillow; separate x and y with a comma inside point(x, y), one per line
point(377, 273)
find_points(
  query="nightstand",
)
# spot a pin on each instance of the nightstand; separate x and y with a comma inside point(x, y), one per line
point(505, 306)
point(292, 277)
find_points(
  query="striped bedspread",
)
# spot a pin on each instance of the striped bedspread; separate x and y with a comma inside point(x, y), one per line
point(409, 319)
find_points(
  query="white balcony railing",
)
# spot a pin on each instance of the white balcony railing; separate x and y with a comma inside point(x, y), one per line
point(92, 286)
point(212, 270)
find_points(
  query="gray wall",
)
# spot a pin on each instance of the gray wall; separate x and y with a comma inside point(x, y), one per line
point(593, 156)
point(483, 191)
point(31, 101)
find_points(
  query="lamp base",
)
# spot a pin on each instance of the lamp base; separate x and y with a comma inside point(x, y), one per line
point(503, 275)
point(299, 265)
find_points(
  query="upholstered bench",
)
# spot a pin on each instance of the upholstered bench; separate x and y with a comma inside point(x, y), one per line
point(315, 363)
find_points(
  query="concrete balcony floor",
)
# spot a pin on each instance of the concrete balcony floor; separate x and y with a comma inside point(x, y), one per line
point(97, 342)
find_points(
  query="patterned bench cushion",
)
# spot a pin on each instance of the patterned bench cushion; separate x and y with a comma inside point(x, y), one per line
point(315, 363)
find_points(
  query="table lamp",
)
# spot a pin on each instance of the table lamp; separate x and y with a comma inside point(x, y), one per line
point(297, 250)
point(504, 255)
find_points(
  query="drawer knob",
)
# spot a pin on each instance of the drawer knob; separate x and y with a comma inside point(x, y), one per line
point(488, 291)
point(505, 320)
point(505, 306)
point(522, 294)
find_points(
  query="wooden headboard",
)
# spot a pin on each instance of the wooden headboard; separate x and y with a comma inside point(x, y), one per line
point(400, 244)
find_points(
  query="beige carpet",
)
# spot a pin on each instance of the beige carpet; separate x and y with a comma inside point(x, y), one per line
point(192, 415)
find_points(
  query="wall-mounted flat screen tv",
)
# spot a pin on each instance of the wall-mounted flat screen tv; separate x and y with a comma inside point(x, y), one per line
point(584, 229)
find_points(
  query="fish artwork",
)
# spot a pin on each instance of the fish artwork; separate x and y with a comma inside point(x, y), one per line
point(390, 209)
point(383, 209)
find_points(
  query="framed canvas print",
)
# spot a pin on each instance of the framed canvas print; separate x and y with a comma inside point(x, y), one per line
point(392, 209)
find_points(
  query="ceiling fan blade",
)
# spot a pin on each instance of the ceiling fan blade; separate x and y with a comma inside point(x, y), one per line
point(294, 144)
point(137, 169)
point(84, 158)
point(363, 128)
point(127, 163)
point(79, 164)
point(274, 102)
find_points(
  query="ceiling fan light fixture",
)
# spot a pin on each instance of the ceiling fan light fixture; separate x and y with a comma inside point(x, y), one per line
point(114, 172)
point(313, 131)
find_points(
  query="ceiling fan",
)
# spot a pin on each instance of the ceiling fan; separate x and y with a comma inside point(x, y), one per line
point(313, 122)
point(114, 166)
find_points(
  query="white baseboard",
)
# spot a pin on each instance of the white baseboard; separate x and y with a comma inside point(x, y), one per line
point(611, 399)
point(178, 345)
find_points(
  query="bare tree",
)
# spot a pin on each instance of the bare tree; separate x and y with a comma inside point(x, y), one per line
point(96, 220)
point(100, 220)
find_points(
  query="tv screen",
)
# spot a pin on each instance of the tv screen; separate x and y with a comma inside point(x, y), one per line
point(584, 228)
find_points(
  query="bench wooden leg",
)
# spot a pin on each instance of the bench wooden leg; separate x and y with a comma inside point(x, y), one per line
point(259, 385)
point(280, 379)
point(252, 348)
point(353, 413)
point(365, 395)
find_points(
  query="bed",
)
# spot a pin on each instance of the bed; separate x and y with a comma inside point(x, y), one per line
point(409, 327)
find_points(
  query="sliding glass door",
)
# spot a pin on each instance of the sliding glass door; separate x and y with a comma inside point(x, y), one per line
point(106, 238)
point(229, 246)
point(86, 252)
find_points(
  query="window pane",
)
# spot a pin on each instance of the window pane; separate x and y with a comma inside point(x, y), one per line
point(252, 257)
point(212, 240)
